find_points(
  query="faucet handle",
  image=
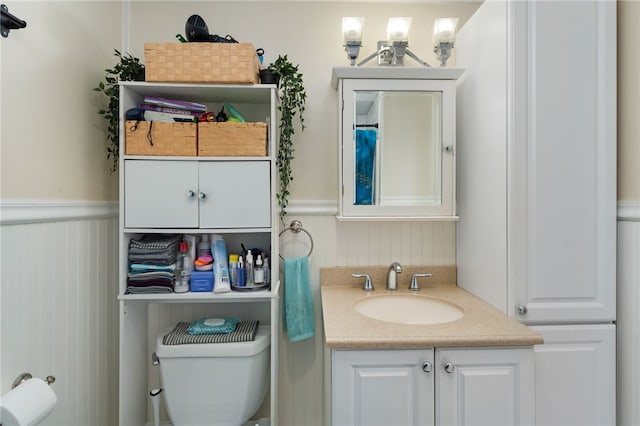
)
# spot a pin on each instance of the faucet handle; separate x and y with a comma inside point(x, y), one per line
point(368, 286)
point(414, 281)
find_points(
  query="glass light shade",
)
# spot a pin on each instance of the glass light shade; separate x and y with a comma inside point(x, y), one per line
point(444, 30)
point(352, 28)
point(398, 29)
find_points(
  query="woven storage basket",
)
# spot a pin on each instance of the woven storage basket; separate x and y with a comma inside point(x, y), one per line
point(232, 139)
point(165, 138)
point(201, 62)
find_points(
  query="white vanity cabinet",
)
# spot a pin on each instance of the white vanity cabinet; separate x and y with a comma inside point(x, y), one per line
point(460, 386)
point(197, 194)
point(396, 142)
point(230, 196)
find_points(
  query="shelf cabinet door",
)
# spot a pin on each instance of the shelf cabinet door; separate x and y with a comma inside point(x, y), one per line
point(160, 194)
point(235, 194)
point(485, 387)
point(384, 387)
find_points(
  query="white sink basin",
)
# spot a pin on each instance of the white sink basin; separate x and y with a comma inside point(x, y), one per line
point(408, 309)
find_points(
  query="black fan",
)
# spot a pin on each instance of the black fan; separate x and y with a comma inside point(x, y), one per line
point(196, 29)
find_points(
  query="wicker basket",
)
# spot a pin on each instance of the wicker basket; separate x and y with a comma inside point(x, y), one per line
point(232, 139)
point(201, 62)
point(161, 138)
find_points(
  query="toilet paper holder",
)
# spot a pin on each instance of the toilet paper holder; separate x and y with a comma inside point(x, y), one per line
point(26, 376)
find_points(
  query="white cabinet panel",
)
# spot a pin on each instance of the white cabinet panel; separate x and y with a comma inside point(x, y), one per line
point(192, 194)
point(564, 161)
point(237, 194)
point(576, 375)
point(161, 194)
point(382, 388)
point(556, 154)
point(484, 387)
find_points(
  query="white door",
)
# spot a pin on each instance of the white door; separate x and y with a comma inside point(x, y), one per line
point(160, 194)
point(384, 387)
point(485, 387)
point(562, 196)
point(576, 375)
point(235, 194)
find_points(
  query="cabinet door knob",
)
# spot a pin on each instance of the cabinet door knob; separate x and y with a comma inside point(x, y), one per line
point(202, 195)
point(522, 310)
point(449, 367)
point(191, 193)
point(426, 367)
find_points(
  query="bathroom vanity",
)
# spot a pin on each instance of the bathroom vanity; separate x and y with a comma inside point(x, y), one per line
point(190, 194)
point(480, 366)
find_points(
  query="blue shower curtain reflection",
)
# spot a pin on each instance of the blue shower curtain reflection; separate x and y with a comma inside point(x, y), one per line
point(365, 166)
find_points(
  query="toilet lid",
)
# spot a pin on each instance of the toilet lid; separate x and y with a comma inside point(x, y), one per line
point(209, 350)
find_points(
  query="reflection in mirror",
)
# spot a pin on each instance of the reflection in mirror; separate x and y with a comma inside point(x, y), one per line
point(398, 142)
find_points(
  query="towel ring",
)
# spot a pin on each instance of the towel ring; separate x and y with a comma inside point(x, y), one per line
point(296, 227)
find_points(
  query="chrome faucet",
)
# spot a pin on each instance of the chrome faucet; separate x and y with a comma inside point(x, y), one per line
point(392, 276)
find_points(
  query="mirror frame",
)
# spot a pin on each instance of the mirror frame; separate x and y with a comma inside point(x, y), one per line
point(346, 87)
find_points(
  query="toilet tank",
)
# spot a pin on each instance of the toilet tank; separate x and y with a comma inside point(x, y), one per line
point(214, 383)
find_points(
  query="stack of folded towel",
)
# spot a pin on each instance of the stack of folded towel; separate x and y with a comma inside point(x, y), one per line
point(152, 261)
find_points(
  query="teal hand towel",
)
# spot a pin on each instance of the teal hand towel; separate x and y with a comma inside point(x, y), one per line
point(299, 320)
point(200, 327)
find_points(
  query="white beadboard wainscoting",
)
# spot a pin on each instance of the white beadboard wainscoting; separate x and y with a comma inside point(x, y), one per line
point(59, 312)
point(628, 314)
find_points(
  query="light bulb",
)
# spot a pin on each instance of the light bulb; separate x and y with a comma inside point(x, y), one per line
point(398, 29)
point(352, 28)
point(444, 30)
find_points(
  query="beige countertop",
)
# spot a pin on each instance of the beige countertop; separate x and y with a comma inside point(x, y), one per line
point(481, 325)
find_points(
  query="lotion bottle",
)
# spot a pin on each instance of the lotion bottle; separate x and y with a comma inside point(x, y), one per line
point(249, 269)
point(258, 272)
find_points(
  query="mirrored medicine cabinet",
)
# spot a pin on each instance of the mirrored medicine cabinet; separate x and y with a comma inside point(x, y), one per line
point(396, 142)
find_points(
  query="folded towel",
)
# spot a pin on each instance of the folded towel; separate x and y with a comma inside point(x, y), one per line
point(244, 332)
point(299, 320)
point(200, 327)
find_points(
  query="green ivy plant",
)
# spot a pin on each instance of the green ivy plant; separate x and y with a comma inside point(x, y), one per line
point(292, 97)
point(128, 68)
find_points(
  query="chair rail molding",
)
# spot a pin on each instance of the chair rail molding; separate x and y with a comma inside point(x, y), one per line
point(629, 212)
point(13, 212)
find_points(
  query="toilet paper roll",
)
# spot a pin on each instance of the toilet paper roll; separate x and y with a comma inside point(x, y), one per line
point(27, 404)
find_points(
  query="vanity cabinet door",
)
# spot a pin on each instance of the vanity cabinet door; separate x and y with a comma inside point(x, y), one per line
point(485, 387)
point(383, 387)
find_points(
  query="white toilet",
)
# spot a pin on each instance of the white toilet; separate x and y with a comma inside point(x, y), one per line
point(214, 383)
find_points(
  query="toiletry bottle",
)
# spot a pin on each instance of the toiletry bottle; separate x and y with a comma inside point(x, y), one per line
point(241, 273)
point(204, 246)
point(258, 272)
point(184, 266)
point(267, 270)
point(249, 268)
point(233, 269)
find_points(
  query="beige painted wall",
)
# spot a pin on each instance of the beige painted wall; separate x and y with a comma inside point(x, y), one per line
point(53, 143)
point(629, 101)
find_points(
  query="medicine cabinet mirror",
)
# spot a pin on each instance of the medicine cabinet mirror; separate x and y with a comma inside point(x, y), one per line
point(397, 142)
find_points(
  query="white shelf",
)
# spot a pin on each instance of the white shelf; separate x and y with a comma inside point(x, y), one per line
point(204, 297)
point(192, 158)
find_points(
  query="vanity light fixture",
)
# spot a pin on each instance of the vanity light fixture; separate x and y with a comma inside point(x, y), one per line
point(352, 32)
point(391, 52)
point(444, 37)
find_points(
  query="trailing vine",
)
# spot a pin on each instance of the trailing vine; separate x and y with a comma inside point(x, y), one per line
point(292, 96)
point(128, 68)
